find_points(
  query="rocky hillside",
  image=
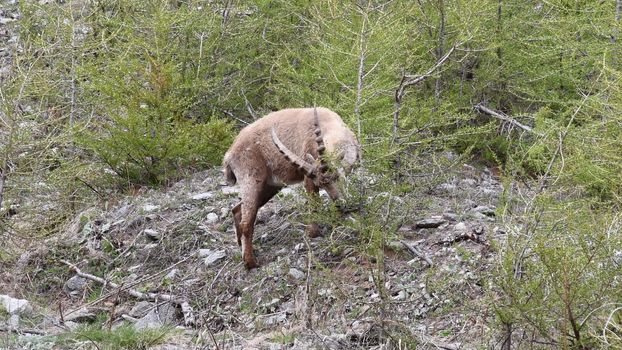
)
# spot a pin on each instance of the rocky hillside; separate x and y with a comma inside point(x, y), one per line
point(170, 259)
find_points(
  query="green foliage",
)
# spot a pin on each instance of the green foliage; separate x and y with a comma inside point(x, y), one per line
point(562, 276)
point(124, 337)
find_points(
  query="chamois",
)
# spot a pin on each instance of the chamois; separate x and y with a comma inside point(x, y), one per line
point(282, 148)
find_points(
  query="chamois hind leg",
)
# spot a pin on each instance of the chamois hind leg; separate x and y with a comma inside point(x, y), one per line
point(313, 229)
point(237, 217)
point(249, 206)
point(249, 213)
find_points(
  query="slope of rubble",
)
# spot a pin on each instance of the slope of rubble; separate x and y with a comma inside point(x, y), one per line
point(170, 258)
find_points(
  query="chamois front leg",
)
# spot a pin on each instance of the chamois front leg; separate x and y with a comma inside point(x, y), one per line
point(313, 229)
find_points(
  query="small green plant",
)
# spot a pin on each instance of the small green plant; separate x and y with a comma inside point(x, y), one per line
point(283, 338)
point(125, 337)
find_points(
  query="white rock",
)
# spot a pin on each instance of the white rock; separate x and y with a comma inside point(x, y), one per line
point(152, 234)
point(213, 256)
point(297, 274)
point(172, 274)
point(13, 321)
point(203, 196)
point(230, 190)
point(460, 227)
point(150, 207)
point(15, 306)
point(211, 218)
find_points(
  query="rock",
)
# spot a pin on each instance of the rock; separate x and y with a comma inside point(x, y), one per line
point(75, 285)
point(484, 209)
point(150, 207)
point(230, 190)
point(468, 182)
point(275, 319)
point(460, 227)
point(13, 321)
point(212, 256)
point(80, 316)
point(432, 222)
point(450, 216)
point(72, 325)
point(297, 274)
point(402, 295)
point(446, 187)
point(158, 317)
point(203, 196)
point(15, 306)
point(271, 306)
point(224, 212)
point(172, 274)
point(288, 191)
point(152, 234)
point(299, 247)
point(141, 309)
point(211, 218)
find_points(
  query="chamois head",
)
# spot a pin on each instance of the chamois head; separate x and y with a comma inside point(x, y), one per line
point(316, 169)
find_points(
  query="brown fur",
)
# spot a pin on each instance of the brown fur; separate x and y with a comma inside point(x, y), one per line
point(260, 170)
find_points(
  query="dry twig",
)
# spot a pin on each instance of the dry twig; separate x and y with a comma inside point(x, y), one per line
point(186, 309)
point(417, 253)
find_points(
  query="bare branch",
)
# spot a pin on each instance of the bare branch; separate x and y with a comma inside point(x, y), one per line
point(408, 80)
point(417, 253)
point(186, 309)
point(502, 116)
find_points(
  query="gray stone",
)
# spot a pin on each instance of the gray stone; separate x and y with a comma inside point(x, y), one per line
point(275, 319)
point(203, 196)
point(150, 207)
point(157, 317)
point(402, 295)
point(212, 256)
point(75, 284)
point(230, 190)
point(15, 306)
point(297, 274)
point(152, 234)
point(484, 209)
point(432, 222)
point(140, 309)
point(446, 187)
point(450, 216)
point(460, 227)
point(172, 274)
point(211, 218)
point(13, 321)
point(80, 316)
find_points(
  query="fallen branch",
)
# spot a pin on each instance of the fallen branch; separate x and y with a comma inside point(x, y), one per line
point(417, 253)
point(186, 309)
point(502, 116)
point(21, 330)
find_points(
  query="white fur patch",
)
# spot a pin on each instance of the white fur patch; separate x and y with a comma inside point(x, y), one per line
point(243, 246)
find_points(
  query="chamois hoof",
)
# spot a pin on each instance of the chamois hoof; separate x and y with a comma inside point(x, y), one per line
point(251, 263)
point(313, 230)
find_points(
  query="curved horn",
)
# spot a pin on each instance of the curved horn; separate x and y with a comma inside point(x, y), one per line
point(320, 141)
point(307, 168)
